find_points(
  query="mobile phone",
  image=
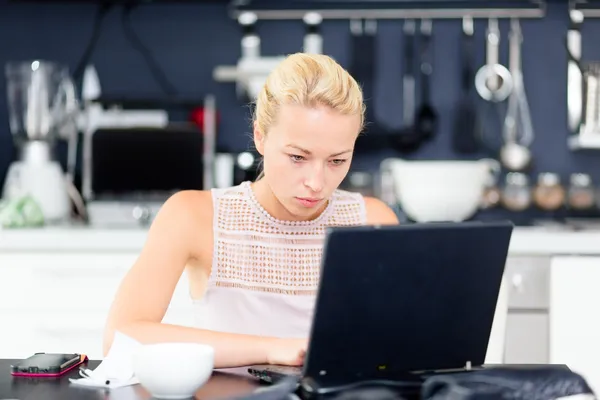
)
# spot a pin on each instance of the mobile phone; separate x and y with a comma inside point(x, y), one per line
point(47, 364)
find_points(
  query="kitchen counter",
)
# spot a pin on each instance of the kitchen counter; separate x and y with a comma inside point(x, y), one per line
point(80, 238)
point(550, 241)
point(525, 240)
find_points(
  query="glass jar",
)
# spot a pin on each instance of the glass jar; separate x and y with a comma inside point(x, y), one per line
point(549, 194)
point(581, 194)
point(516, 195)
point(491, 197)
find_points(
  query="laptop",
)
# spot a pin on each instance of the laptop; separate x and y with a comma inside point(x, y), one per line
point(400, 302)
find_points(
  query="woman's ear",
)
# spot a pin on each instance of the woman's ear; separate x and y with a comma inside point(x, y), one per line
point(259, 139)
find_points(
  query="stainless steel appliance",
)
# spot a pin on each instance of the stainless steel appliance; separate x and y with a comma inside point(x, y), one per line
point(131, 172)
point(131, 169)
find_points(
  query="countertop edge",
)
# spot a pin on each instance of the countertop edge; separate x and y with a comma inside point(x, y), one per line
point(525, 241)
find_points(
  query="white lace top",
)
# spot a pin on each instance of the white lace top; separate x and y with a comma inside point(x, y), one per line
point(265, 271)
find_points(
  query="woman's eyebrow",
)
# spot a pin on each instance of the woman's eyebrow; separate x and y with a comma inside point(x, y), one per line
point(307, 152)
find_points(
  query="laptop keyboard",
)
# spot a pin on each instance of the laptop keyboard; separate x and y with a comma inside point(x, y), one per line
point(273, 373)
point(285, 370)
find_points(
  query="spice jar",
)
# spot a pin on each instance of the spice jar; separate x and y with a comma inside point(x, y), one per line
point(491, 197)
point(516, 195)
point(549, 194)
point(581, 192)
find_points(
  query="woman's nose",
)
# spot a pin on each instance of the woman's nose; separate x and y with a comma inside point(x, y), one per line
point(316, 180)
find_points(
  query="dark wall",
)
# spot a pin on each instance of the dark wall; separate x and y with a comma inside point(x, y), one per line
point(190, 40)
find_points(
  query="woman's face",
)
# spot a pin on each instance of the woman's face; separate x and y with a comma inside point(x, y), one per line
point(306, 155)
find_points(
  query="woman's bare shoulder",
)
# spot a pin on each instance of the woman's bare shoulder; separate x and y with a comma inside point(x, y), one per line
point(184, 217)
point(379, 213)
point(195, 204)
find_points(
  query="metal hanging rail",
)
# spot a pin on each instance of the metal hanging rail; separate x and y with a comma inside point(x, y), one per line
point(586, 8)
point(280, 10)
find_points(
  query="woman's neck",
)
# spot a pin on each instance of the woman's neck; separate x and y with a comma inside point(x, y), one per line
point(267, 199)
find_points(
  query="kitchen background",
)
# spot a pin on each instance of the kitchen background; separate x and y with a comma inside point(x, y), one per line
point(189, 40)
point(551, 278)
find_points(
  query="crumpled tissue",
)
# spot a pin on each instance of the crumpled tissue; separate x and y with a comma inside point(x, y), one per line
point(116, 369)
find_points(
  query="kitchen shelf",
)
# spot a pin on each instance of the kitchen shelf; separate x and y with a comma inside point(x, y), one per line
point(421, 9)
point(588, 8)
point(583, 142)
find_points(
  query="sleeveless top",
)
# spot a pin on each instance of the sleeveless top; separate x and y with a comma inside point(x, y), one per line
point(265, 271)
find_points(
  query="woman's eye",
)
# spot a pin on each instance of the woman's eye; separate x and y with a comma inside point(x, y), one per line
point(296, 158)
point(338, 161)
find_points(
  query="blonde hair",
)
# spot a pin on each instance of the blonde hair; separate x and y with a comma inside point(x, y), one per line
point(309, 80)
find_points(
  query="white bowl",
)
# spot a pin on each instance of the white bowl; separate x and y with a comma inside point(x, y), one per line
point(173, 370)
point(441, 190)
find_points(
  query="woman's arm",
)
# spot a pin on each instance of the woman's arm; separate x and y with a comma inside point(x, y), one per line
point(145, 293)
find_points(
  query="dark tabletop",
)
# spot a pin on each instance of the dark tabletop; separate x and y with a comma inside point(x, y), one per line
point(224, 384)
point(221, 385)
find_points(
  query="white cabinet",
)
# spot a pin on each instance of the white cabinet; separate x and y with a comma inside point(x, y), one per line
point(526, 338)
point(55, 281)
point(58, 301)
point(528, 309)
point(574, 315)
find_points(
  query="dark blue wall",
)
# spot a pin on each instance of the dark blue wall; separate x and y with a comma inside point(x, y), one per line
point(190, 40)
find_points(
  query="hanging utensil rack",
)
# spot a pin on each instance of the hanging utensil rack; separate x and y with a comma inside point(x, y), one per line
point(589, 9)
point(423, 9)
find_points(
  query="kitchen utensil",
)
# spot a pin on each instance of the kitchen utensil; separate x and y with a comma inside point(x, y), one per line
point(410, 137)
point(467, 126)
point(574, 72)
point(313, 40)
point(583, 90)
point(493, 81)
point(440, 190)
point(591, 101)
point(377, 135)
point(426, 118)
point(408, 78)
point(514, 154)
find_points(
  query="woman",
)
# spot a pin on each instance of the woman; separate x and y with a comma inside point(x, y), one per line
point(252, 252)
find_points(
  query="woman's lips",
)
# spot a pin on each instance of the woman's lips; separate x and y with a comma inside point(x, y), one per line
point(308, 201)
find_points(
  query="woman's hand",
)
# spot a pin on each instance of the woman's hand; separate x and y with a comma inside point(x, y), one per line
point(287, 352)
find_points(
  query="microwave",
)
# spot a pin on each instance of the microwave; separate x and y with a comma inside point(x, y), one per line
point(123, 163)
point(128, 173)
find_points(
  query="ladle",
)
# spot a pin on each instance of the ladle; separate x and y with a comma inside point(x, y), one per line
point(493, 81)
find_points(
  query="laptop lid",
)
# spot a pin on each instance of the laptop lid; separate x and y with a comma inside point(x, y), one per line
point(401, 298)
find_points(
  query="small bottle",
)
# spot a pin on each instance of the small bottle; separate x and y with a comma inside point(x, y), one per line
point(549, 194)
point(516, 195)
point(581, 192)
point(491, 197)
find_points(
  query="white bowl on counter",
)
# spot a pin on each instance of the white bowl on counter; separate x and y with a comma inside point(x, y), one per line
point(440, 190)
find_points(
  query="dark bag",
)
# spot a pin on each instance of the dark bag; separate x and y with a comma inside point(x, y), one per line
point(501, 383)
point(504, 383)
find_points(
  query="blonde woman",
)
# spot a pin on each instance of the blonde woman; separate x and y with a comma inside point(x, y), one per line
point(253, 251)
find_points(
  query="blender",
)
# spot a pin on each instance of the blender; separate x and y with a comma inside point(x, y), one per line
point(42, 108)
